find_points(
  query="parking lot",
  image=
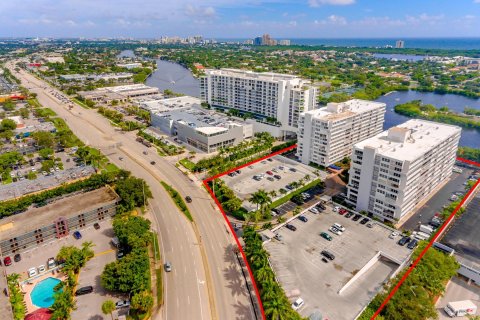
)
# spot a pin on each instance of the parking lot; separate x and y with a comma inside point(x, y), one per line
point(299, 268)
point(277, 171)
point(88, 306)
point(457, 290)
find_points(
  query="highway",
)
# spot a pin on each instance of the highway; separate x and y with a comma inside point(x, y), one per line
point(206, 281)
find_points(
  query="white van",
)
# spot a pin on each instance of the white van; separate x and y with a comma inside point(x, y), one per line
point(339, 227)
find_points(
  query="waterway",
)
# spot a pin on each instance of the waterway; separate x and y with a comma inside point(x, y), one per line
point(179, 79)
point(469, 138)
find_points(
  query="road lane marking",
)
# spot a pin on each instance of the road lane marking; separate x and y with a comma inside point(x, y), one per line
point(104, 252)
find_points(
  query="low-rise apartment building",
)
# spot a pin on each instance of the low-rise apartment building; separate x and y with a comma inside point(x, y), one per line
point(394, 171)
point(278, 98)
point(119, 93)
point(327, 135)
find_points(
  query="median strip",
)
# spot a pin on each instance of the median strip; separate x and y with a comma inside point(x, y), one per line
point(178, 200)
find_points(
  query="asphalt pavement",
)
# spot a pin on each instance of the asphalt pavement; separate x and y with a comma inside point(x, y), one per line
point(207, 282)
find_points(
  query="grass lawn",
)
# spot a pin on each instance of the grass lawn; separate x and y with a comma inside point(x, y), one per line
point(34, 103)
point(177, 198)
point(187, 164)
point(110, 167)
point(289, 196)
point(45, 112)
point(159, 286)
point(156, 247)
point(80, 103)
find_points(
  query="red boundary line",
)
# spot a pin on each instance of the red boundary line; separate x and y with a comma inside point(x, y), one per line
point(205, 183)
point(430, 243)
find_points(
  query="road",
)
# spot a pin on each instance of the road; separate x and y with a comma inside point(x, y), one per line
point(207, 282)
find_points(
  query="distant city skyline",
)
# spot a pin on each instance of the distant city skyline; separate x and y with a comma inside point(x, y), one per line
point(248, 19)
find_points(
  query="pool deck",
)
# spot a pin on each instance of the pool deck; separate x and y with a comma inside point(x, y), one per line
point(28, 285)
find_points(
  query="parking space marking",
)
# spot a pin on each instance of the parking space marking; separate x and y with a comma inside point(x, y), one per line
point(104, 252)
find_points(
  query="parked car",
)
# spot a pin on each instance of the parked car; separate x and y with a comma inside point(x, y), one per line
point(293, 169)
point(84, 290)
point(279, 237)
point(41, 268)
point(298, 304)
point(327, 254)
point(342, 211)
point(269, 159)
point(357, 217)
point(314, 210)
point(7, 261)
point(404, 241)
point(96, 226)
point(291, 227)
point(336, 209)
point(393, 234)
point(270, 173)
point(120, 254)
point(152, 162)
point(238, 171)
point(335, 231)
point(324, 259)
point(17, 257)
point(277, 176)
point(122, 304)
point(339, 227)
point(167, 266)
point(270, 179)
point(188, 199)
point(321, 206)
point(349, 214)
point(326, 236)
point(412, 244)
point(302, 218)
point(51, 263)
point(32, 272)
point(77, 235)
point(364, 221)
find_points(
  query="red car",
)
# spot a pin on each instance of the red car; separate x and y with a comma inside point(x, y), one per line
point(270, 173)
point(342, 211)
point(7, 261)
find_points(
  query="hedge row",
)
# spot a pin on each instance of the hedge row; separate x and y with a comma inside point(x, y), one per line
point(177, 198)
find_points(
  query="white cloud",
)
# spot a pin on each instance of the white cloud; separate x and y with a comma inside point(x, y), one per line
point(469, 16)
point(318, 3)
point(332, 20)
point(292, 23)
point(206, 12)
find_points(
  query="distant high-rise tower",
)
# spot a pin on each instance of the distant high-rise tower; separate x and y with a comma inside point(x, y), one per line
point(266, 40)
point(257, 41)
point(400, 44)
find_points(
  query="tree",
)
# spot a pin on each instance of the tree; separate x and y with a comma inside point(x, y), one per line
point(134, 192)
point(132, 231)
point(44, 139)
point(7, 124)
point(74, 257)
point(142, 301)
point(260, 198)
point(232, 204)
point(108, 306)
point(45, 153)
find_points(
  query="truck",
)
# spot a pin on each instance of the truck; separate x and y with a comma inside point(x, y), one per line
point(427, 229)
point(460, 308)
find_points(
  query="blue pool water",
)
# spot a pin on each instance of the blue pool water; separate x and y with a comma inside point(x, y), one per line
point(42, 294)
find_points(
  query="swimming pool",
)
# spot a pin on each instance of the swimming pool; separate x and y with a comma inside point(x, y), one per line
point(42, 294)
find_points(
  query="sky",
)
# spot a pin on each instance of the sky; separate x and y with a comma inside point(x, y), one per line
point(240, 18)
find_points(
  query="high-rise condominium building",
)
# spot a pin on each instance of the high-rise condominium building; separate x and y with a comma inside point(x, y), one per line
point(400, 44)
point(284, 42)
point(393, 172)
point(278, 97)
point(327, 135)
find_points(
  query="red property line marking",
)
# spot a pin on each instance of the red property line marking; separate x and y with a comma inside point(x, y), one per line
point(437, 234)
point(205, 183)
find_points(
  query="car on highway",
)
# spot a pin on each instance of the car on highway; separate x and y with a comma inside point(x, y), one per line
point(302, 218)
point(326, 236)
point(291, 227)
point(167, 266)
point(188, 199)
point(327, 254)
point(7, 261)
point(152, 162)
point(77, 235)
point(404, 241)
point(298, 304)
point(122, 304)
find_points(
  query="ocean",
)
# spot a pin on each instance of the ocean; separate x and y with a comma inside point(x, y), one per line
point(420, 43)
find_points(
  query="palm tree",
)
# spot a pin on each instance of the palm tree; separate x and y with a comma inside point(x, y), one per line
point(276, 308)
point(108, 306)
point(273, 193)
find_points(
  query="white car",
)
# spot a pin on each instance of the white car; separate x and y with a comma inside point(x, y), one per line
point(339, 227)
point(314, 210)
point(51, 263)
point(336, 209)
point(335, 231)
point(298, 304)
point(393, 235)
point(32, 272)
point(33, 169)
point(41, 268)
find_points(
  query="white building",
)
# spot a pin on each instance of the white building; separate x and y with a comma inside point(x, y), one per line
point(327, 135)
point(284, 42)
point(268, 96)
point(130, 65)
point(394, 171)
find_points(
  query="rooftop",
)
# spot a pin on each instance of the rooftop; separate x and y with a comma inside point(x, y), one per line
point(343, 110)
point(410, 140)
point(269, 76)
point(162, 105)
